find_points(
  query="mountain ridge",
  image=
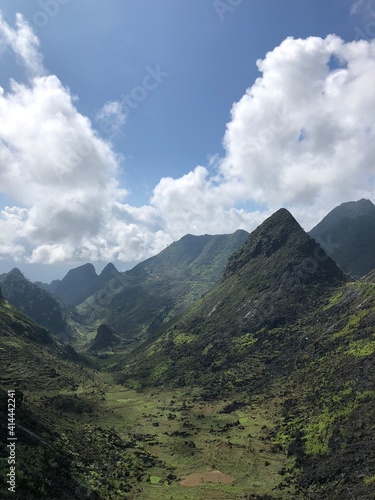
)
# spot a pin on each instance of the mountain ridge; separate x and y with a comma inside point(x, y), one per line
point(37, 303)
point(136, 302)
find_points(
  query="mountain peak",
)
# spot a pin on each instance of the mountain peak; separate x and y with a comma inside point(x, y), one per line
point(278, 230)
point(16, 272)
point(354, 209)
point(275, 278)
point(109, 271)
point(70, 289)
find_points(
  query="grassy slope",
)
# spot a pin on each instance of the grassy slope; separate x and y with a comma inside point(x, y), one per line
point(320, 384)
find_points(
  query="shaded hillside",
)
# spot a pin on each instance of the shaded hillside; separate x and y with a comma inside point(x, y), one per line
point(73, 288)
point(283, 327)
point(105, 339)
point(347, 234)
point(36, 303)
point(139, 301)
point(328, 414)
point(65, 446)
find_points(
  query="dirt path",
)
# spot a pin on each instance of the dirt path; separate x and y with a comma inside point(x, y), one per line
point(212, 476)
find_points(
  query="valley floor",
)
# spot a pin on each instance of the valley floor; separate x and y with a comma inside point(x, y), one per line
point(213, 453)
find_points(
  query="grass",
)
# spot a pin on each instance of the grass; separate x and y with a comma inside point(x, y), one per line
point(189, 436)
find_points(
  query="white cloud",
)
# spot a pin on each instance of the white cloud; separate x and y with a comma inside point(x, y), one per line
point(197, 203)
point(62, 175)
point(302, 136)
point(111, 117)
point(363, 7)
point(24, 43)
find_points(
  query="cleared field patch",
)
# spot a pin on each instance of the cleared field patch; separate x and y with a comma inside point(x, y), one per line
point(212, 476)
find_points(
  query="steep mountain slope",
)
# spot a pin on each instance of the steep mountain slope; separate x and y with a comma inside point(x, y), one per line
point(36, 303)
point(73, 288)
point(277, 275)
point(138, 301)
point(347, 234)
point(191, 257)
point(283, 327)
point(66, 445)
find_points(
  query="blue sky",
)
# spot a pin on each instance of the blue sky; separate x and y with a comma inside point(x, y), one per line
point(184, 63)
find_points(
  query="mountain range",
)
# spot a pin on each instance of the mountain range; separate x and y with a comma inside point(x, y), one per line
point(80, 283)
point(137, 302)
point(272, 280)
point(252, 374)
point(283, 325)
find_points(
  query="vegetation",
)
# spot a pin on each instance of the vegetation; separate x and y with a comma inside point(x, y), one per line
point(136, 303)
point(263, 389)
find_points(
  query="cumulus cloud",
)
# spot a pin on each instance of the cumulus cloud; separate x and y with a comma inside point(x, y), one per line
point(61, 174)
point(302, 137)
point(200, 203)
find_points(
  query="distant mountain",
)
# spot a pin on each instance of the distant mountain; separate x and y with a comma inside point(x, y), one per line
point(36, 303)
point(72, 289)
point(347, 234)
point(80, 283)
point(138, 301)
point(192, 257)
point(282, 332)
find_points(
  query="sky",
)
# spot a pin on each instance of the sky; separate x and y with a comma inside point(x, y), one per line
point(126, 124)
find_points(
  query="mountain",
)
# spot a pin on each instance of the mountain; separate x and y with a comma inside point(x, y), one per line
point(80, 283)
point(347, 234)
point(192, 257)
point(105, 339)
point(274, 278)
point(284, 334)
point(36, 303)
point(262, 389)
point(136, 302)
point(72, 289)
